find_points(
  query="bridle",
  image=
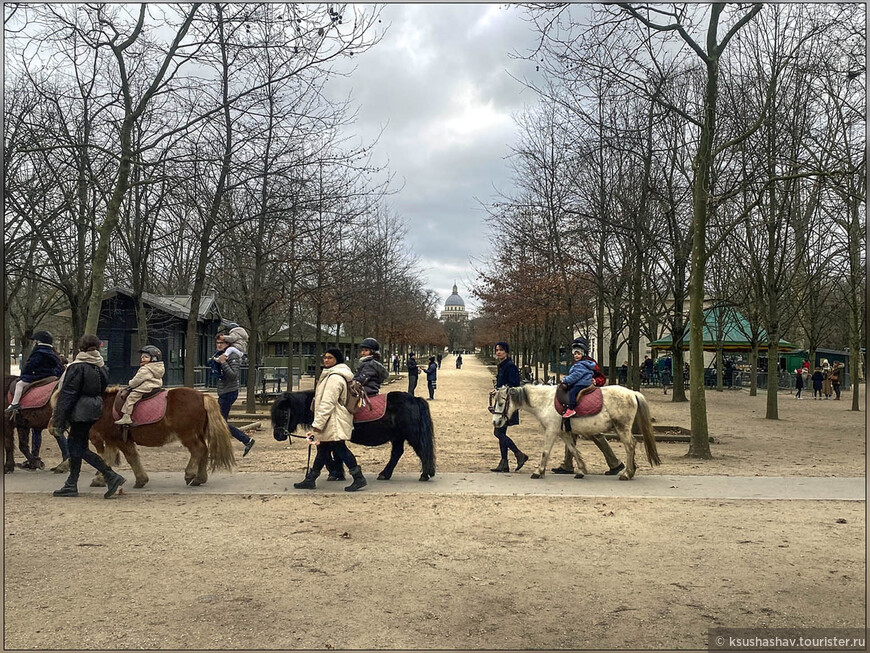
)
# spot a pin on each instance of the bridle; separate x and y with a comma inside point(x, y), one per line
point(286, 429)
point(507, 402)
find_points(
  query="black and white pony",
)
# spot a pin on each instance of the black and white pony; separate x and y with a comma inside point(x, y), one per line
point(406, 419)
point(621, 407)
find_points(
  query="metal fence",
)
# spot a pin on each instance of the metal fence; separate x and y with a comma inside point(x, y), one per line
point(741, 379)
point(269, 379)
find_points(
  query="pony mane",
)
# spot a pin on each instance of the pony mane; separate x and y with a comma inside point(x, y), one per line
point(298, 403)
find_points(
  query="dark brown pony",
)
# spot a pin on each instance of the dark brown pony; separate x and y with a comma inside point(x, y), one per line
point(22, 421)
point(192, 418)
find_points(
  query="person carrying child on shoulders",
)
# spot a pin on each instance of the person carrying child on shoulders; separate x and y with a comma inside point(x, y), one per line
point(148, 378)
point(581, 375)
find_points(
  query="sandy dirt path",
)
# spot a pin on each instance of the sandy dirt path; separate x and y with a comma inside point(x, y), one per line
point(370, 571)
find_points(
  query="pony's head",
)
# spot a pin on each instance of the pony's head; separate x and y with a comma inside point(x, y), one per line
point(289, 411)
point(503, 404)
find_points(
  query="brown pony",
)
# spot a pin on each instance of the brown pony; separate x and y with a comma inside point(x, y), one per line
point(192, 418)
point(23, 421)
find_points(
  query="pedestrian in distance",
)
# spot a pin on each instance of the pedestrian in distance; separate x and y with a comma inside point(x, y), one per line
point(79, 406)
point(827, 386)
point(431, 377)
point(818, 378)
point(798, 382)
point(836, 372)
point(413, 372)
point(459, 361)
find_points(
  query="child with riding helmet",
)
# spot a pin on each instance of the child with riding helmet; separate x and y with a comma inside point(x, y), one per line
point(149, 377)
point(581, 375)
point(370, 372)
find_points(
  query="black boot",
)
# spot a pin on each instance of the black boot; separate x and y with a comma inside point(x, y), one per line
point(521, 460)
point(69, 489)
point(308, 482)
point(113, 482)
point(502, 466)
point(359, 481)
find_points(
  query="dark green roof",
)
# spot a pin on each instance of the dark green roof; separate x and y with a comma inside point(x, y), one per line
point(734, 329)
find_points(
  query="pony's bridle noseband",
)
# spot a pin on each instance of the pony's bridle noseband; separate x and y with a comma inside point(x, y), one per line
point(507, 402)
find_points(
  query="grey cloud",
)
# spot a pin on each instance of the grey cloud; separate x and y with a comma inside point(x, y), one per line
point(420, 96)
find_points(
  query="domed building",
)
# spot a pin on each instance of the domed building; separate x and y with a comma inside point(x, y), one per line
point(454, 308)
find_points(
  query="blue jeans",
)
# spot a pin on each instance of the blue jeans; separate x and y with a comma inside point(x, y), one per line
point(573, 391)
point(226, 402)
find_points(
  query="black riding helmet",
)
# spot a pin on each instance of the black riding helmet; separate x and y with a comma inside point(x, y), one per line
point(155, 354)
point(44, 337)
point(370, 343)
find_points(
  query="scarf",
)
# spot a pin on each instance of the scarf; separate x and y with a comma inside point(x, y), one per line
point(92, 357)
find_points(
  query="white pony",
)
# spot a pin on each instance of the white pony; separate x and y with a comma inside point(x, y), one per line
point(621, 407)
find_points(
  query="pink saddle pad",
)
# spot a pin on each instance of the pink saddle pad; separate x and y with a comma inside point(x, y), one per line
point(589, 404)
point(374, 409)
point(35, 397)
point(146, 411)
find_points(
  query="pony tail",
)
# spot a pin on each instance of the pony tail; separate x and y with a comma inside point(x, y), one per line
point(219, 440)
point(426, 437)
point(645, 423)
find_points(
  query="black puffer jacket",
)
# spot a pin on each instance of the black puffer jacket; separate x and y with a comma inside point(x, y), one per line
point(81, 397)
point(370, 373)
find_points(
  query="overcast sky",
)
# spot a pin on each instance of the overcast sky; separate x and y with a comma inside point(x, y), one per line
point(440, 83)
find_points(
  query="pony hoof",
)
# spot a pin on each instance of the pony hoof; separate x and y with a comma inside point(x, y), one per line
point(195, 482)
point(98, 482)
point(536, 475)
point(62, 468)
point(624, 477)
point(8, 470)
point(383, 477)
point(188, 481)
point(578, 475)
point(138, 484)
point(424, 477)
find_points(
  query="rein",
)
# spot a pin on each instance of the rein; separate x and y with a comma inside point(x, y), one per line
point(302, 437)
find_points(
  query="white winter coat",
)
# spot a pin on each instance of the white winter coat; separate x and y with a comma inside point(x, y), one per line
point(331, 418)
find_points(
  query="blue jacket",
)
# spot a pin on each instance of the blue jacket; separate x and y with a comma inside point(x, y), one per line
point(431, 374)
point(41, 363)
point(581, 373)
